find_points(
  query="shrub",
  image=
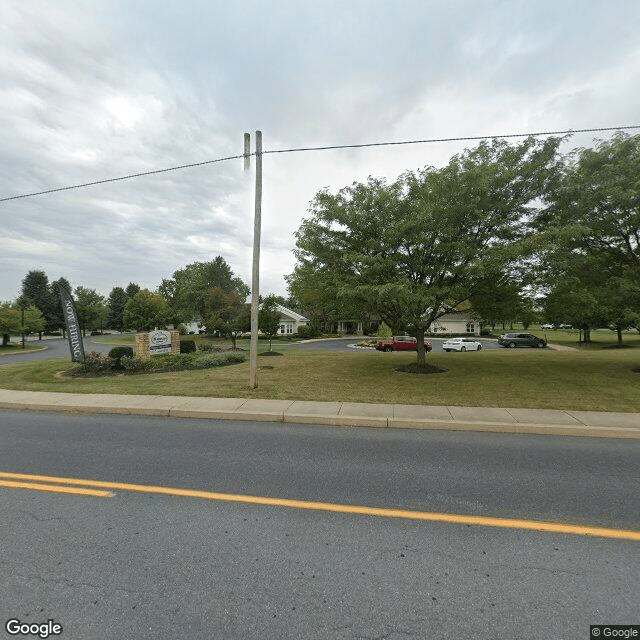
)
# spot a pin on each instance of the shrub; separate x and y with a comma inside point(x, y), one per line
point(96, 363)
point(307, 331)
point(235, 357)
point(117, 353)
point(384, 331)
point(208, 347)
point(169, 361)
point(132, 364)
point(187, 346)
point(207, 360)
point(182, 330)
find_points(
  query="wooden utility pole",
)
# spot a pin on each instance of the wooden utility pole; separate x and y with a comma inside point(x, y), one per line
point(255, 272)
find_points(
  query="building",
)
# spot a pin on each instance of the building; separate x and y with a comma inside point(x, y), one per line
point(290, 321)
point(455, 322)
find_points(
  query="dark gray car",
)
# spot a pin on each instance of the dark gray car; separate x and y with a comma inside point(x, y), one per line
point(513, 340)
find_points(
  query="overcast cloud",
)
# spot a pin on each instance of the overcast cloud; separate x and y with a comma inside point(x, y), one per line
point(95, 90)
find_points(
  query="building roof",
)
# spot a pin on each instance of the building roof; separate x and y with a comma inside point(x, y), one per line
point(291, 314)
point(462, 316)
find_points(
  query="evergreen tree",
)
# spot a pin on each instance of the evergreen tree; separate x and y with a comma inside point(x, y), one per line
point(118, 298)
point(35, 285)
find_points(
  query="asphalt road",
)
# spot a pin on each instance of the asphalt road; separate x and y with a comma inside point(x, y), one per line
point(348, 344)
point(52, 348)
point(140, 564)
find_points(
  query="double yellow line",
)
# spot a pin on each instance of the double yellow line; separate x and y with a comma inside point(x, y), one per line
point(18, 482)
point(105, 489)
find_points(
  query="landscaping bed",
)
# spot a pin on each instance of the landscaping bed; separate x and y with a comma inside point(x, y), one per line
point(102, 364)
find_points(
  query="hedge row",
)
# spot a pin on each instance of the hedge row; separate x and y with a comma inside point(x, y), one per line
point(124, 362)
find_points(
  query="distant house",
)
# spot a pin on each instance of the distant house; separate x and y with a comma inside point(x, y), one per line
point(456, 322)
point(192, 327)
point(290, 321)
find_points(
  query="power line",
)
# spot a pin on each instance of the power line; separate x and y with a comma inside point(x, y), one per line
point(128, 177)
point(458, 139)
point(325, 148)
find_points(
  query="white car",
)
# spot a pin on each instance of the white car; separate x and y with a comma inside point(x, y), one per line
point(461, 344)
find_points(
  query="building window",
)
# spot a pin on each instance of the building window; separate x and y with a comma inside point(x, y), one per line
point(286, 327)
point(471, 327)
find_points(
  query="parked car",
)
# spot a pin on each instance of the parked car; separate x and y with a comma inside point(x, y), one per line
point(548, 326)
point(513, 340)
point(400, 343)
point(461, 344)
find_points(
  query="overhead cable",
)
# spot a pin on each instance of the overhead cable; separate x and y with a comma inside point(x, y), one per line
point(324, 148)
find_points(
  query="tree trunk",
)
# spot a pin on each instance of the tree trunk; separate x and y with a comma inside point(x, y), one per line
point(422, 360)
point(619, 330)
point(5, 339)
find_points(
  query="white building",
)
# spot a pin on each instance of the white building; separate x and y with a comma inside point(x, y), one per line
point(455, 322)
point(290, 321)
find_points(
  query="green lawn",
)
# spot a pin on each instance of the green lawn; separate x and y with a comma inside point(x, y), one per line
point(17, 348)
point(599, 380)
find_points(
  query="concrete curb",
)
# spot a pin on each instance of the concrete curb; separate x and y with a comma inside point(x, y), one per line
point(338, 414)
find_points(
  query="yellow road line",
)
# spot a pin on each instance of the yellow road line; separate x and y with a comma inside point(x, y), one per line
point(57, 489)
point(450, 518)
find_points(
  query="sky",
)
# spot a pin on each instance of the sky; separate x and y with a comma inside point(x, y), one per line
point(104, 89)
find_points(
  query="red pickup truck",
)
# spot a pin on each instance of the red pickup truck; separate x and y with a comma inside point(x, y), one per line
point(400, 343)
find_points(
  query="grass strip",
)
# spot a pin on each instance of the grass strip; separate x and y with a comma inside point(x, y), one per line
point(596, 380)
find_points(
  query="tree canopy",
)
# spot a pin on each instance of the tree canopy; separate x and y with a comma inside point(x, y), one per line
point(91, 307)
point(189, 293)
point(145, 311)
point(116, 302)
point(35, 285)
point(591, 270)
point(417, 248)
point(269, 318)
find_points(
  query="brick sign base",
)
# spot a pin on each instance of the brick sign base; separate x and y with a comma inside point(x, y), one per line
point(143, 350)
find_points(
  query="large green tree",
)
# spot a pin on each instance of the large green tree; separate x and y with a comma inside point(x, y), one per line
point(58, 313)
point(132, 289)
point(414, 249)
point(9, 322)
point(189, 293)
point(593, 220)
point(145, 311)
point(35, 285)
point(503, 298)
point(116, 302)
point(91, 308)
point(227, 315)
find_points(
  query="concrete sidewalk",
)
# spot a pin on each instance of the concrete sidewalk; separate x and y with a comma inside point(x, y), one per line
point(343, 414)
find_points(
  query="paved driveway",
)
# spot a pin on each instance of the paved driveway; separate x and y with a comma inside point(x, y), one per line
point(349, 344)
point(52, 348)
